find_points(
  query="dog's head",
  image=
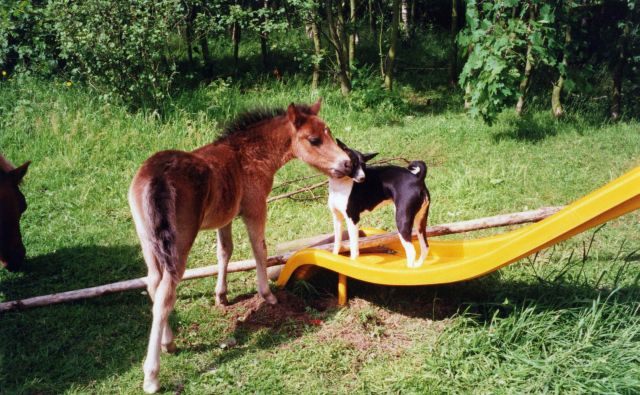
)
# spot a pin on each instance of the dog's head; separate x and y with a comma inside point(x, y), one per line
point(358, 161)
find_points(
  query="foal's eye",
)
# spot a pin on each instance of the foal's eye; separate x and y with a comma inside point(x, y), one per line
point(315, 141)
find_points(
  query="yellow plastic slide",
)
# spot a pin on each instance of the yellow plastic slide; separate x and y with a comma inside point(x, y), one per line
point(457, 260)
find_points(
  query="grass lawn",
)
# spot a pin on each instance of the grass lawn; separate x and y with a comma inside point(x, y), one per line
point(564, 321)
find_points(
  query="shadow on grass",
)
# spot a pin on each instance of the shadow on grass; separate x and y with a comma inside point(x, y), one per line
point(58, 348)
point(528, 128)
point(51, 349)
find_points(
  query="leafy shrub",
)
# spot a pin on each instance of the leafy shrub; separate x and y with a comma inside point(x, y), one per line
point(27, 41)
point(120, 46)
point(498, 34)
point(369, 93)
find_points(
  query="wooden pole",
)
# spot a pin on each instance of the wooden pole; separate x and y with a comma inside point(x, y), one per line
point(323, 242)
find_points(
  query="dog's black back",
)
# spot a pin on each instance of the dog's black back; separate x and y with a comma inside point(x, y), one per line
point(406, 189)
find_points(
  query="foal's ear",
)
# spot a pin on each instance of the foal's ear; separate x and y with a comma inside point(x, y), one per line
point(18, 173)
point(368, 157)
point(315, 108)
point(294, 115)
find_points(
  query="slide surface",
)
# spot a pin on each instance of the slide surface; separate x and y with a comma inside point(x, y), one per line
point(458, 260)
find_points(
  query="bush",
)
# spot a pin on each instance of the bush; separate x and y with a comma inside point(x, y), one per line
point(120, 47)
point(27, 41)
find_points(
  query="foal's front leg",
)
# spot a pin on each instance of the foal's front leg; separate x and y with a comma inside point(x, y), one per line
point(225, 249)
point(255, 223)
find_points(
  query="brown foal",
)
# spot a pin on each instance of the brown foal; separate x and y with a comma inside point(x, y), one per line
point(176, 193)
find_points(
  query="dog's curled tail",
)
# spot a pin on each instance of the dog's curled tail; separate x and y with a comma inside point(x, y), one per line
point(160, 204)
point(419, 168)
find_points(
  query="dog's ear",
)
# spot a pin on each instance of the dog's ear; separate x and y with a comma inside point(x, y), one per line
point(368, 157)
point(342, 145)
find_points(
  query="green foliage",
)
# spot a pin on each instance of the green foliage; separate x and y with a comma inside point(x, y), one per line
point(369, 92)
point(498, 33)
point(120, 47)
point(27, 39)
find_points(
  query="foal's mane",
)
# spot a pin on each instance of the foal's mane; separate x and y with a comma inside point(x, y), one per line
point(249, 118)
point(5, 165)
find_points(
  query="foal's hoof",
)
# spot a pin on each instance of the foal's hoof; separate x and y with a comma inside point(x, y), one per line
point(151, 386)
point(270, 298)
point(221, 300)
point(169, 348)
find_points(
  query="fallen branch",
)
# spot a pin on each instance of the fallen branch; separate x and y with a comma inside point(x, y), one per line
point(323, 242)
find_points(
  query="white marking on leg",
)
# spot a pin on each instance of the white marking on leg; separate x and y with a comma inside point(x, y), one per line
point(337, 231)
point(224, 251)
point(409, 251)
point(339, 192)
point(162, 306)
point(414, 169)
point(354, 238)
point(424, 249)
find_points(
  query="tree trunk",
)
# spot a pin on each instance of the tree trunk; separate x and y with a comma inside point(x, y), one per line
point(391, 55)
point(352, 35)
point(264, 52)
point(618, 73)
point(204, 46)
point(189, 34)
point(524, 84)
point(404, 18)
point(264, 35)
point(528, 67)
point(412, 17)
point(453, 50)
point(556, 94)
point(317, 48)
point(235, 37)
point(372, 18)
point(381, 55)
point(338, 39)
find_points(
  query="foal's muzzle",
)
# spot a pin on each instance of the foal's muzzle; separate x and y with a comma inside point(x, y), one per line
point(343, 169)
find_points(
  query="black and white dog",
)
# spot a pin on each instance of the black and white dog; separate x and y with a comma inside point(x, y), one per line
point(367, 188)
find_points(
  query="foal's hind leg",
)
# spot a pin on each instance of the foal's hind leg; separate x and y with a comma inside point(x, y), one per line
point(163, 303)
point(225, 249)
point(154, 276)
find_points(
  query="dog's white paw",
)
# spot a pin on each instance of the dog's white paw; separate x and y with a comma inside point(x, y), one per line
point(414, 264)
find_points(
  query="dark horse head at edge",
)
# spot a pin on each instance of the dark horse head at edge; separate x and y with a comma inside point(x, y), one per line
point(12, 205)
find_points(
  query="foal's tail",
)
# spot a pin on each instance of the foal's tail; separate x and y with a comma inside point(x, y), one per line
point(419, 168)
point(160, 209)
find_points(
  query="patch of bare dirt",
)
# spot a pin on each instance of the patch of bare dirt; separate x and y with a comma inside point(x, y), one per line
point(254, 313)
point(363, 325)
point(373, 329)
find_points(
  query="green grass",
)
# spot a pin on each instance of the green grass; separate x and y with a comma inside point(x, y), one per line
point(565, 321)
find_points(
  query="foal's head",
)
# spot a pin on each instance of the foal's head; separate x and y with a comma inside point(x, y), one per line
point(313, 143)
point(12, 205)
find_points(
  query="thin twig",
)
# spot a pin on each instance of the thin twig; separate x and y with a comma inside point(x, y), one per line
point(305, 189)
